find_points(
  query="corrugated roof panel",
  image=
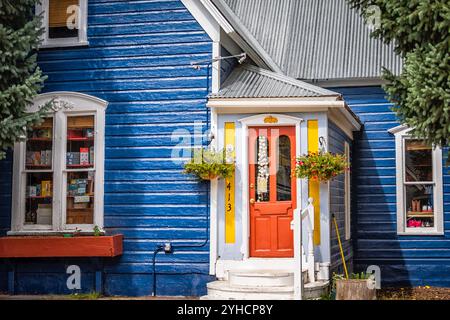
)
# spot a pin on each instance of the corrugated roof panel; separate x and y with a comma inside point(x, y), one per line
point(315, 39)
point(248, 81)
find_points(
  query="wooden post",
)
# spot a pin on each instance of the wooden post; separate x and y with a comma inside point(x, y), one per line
point(298, 274)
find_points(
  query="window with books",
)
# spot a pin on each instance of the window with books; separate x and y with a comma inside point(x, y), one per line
point(39, 174)
point(419, 186)
point(58, 169)
point(65, 22)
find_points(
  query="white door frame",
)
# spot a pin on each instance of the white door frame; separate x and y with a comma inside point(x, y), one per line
point(259, 120)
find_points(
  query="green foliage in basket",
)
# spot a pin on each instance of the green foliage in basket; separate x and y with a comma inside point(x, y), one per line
point(208, 164)
point(320, 166)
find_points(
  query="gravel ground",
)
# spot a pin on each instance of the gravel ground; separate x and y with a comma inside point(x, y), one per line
point(69, 297)
point(416, 293)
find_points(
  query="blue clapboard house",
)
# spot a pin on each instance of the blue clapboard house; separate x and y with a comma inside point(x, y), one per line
point(96, 199)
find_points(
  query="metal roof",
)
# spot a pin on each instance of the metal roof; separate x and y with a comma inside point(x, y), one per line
point(248, 81)
point(313, 39)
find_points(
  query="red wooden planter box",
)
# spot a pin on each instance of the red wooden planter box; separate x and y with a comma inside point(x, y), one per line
point(54, 246)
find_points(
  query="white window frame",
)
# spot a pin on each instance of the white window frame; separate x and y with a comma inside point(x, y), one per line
point(401, 133)
point(347, 195)
point(65, 104)
point(80, 40)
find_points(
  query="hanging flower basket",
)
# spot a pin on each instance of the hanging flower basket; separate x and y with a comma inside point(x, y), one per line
point(320, 166)
point(208, 164)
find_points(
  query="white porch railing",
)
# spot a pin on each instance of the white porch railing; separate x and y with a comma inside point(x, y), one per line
point(297, 226)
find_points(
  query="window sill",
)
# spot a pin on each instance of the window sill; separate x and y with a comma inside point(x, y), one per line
point(64, 45)
point(420, 233)
point(58, 246)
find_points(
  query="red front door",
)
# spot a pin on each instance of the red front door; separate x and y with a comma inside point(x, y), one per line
point(272, 190)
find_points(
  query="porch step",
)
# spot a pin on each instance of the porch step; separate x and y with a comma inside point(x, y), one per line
point(266, 278)
point(315, 290)
point(223, 290)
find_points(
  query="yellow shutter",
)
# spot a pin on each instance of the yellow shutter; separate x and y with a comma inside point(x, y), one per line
point(230, 219)
point(314, 186)
point(57, 12)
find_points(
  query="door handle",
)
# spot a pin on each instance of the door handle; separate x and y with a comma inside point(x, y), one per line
point(252, 201)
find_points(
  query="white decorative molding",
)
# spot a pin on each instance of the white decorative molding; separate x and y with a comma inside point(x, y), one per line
point(59, 103)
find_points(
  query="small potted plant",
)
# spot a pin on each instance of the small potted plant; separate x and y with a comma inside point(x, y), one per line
point(208, 164)
point(320, 166)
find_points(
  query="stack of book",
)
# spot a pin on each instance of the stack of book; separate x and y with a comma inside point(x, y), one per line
point(39, 158)
point(44, 189)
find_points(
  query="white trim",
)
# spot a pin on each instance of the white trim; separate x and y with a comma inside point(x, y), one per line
point(215, 74)
point(337, 109)
point(213, 218)
point(78, 104)
point(347, 196)
point(242, 166)
point(285, 102)
point(398, 129)
point(204, 18)
point(402, 132)
point(337, 117)
point(80, 40)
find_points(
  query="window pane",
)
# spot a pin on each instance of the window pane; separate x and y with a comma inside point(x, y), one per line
point(39, 146)
point(262, 170)
point(284, 169)
point(62, 19)
point(80, 142)
point(418, 161)
point(419, 205)
point(80, 197)
point(38, 198)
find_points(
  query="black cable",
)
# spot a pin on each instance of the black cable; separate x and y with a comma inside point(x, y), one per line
point(158, 249)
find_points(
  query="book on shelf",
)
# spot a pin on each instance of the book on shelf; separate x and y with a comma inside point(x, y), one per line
point(46, 188)
point(39, 158)
point(84, 156)
point(44, 214)
point(73, 158)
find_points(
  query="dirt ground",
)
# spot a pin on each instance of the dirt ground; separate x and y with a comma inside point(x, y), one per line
point(416, 293)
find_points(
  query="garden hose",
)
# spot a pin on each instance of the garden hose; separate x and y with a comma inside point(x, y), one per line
point(340, 246)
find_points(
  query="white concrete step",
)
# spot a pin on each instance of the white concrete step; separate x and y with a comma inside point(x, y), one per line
point(315, 290)
point(266, 278)
point(222, 290)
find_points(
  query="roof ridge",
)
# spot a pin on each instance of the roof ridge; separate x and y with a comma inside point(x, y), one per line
point(290, 80)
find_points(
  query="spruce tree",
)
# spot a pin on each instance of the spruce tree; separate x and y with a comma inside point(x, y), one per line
point(20, 77)
point(420, 31)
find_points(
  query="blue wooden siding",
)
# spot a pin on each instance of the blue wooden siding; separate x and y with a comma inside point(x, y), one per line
point(139, 60)
point(336, 141)
point(404, 260)
point(5, 210)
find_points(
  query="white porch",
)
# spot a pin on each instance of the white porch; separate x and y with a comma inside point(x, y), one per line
point(271, 103)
